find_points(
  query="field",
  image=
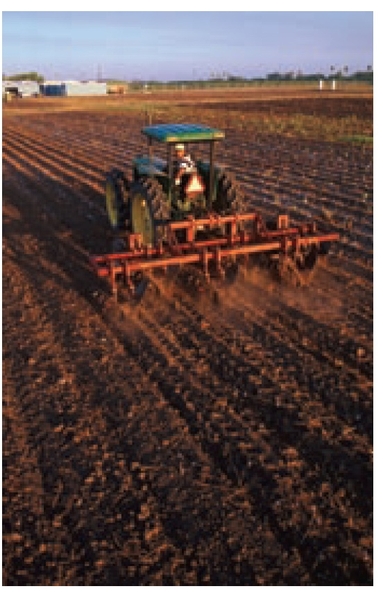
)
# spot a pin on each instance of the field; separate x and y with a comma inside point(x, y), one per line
point(184, 444)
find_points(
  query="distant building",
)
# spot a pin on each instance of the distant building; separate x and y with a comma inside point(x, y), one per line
point(73, 88)
point(51, 88)
point(117, 88)
point(21, 89)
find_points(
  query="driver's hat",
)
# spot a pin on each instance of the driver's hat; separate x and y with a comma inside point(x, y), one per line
point(179, 147)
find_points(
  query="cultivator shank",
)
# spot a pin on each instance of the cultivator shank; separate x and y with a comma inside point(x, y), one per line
point(211, 244)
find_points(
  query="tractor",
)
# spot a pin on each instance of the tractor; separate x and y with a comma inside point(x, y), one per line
point(152, 198)
point(196, 222)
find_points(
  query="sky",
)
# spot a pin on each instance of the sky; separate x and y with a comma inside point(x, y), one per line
point(170, 45)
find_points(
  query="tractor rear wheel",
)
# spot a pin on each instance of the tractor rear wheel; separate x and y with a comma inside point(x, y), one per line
point(149, 211)
point(229, 198)
point(116, 194)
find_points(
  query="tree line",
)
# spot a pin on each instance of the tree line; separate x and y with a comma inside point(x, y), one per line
point(29, 76)
point(365, 76)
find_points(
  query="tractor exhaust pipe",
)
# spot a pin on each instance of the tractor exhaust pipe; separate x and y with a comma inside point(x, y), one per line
point(211, 177)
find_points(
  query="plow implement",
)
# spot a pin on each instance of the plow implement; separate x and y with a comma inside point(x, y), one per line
point(215, 247)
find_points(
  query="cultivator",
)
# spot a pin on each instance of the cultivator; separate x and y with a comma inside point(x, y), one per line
point(234, 241)
point(197, 227)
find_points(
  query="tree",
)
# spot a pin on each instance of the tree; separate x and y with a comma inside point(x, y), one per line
point(30, 76)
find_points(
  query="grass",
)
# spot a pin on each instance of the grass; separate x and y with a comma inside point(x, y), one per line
point(359, 139)
point(331, 129)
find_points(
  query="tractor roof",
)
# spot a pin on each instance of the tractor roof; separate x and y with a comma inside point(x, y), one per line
point(182, 132)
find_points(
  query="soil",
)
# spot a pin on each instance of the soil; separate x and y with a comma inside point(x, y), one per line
point(183, 443)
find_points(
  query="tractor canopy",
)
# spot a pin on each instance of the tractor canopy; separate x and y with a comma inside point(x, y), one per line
point(182, 132)
point(204, 191)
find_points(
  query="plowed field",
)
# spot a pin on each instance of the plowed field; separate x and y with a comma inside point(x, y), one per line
point(184, 444)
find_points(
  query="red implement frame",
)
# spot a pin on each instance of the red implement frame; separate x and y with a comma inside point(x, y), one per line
point(208, 254)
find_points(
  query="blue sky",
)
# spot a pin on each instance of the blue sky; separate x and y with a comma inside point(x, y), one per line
point(183, 45)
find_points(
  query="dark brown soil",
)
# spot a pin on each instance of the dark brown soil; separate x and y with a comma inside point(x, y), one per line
point(183, 444)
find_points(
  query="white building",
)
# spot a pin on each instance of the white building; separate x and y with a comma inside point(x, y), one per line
point(22, 89)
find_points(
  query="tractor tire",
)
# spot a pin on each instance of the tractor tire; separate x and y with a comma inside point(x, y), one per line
point(229, 198)
point(149, 211)
point(116, 199)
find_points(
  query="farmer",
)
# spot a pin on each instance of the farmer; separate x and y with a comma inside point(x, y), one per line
point(182, 164)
